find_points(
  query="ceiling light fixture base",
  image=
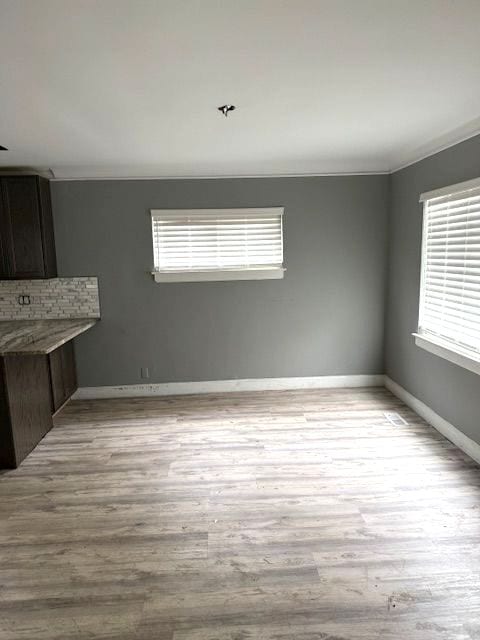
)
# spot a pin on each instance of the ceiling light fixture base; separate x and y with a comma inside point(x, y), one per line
point(226, 108)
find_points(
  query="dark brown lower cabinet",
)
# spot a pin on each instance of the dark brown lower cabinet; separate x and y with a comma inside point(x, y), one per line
point(32, 388)
point(62, 374)
point(25, 412)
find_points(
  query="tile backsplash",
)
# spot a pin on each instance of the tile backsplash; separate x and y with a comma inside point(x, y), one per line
point(53, 298)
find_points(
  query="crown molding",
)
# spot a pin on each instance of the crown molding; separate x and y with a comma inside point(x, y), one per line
point(221, 177)
point(438, 144)
point(26, 171)
point(406, 159)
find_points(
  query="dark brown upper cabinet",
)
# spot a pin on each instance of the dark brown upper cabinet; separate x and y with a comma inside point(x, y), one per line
point(27, 245)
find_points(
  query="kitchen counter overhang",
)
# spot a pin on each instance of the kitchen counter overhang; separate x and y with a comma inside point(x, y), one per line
point(39, 337)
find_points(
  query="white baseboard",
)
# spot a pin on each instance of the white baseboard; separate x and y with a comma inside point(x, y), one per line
point(222, 386)
point(463, 442)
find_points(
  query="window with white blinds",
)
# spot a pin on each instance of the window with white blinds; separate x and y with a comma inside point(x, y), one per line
point(450, 281)
point(217, 244)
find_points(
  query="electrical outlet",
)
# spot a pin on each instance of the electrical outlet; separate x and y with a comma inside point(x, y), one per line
point(144, 372)
point(24, 300)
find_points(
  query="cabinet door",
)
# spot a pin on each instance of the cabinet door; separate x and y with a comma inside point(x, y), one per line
point(63, 377)
point(30, 415)
point(22, 228)
point(56, 379)
point(4, 238)
point(68, 369)
point(8, 459)
point(48, 238)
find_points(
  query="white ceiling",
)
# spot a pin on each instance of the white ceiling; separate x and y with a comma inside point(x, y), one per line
point(94, 88)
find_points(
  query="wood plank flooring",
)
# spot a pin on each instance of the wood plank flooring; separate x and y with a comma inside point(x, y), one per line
point(299, 515)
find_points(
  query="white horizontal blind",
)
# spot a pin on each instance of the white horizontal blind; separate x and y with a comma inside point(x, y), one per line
point(217, 239)
point(450, 285)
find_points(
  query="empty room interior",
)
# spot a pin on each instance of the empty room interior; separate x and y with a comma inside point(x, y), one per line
point(239, 319)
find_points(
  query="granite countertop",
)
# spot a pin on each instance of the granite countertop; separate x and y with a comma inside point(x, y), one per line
point(39, 337)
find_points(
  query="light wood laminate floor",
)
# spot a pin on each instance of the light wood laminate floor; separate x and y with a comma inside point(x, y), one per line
point(299, 515)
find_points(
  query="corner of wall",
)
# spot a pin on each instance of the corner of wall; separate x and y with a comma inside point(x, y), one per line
point(387, 273)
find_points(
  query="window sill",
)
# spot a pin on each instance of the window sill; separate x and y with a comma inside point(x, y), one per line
point(217, 276)
point(445, 351)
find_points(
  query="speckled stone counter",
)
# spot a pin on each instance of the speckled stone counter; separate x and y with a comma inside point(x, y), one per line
point(39, 337)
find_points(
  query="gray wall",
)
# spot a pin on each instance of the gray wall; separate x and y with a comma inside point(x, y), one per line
point(451, 391)
point(324, 318)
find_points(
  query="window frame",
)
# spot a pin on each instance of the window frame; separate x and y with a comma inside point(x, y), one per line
point(457, 354)
point(221, 274)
